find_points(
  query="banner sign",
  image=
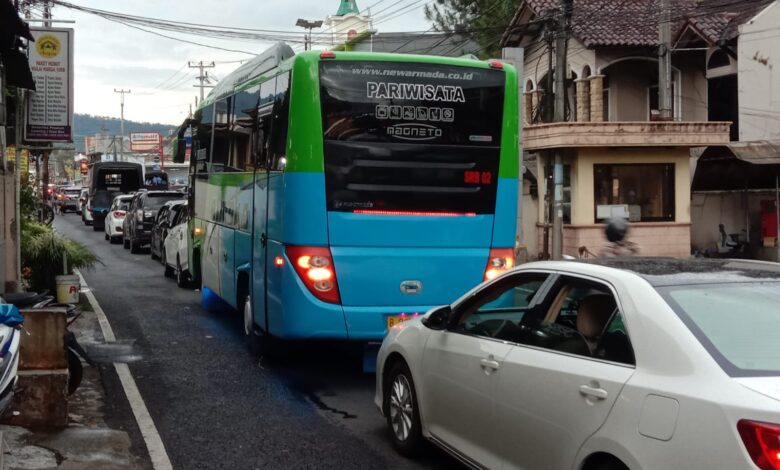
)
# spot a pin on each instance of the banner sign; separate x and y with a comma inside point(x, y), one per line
point(145, 141)
point(50, 110)
point(24, 161)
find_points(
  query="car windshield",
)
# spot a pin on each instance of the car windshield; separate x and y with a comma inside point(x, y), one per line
point(156, 201)
point(737, 323)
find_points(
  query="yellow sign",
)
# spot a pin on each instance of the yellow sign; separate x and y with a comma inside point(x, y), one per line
point(24, 161)
point(48, 46)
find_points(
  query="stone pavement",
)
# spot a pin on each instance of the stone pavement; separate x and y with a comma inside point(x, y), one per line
point(88, 442)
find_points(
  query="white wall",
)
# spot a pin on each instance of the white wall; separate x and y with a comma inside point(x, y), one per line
point(758, 54)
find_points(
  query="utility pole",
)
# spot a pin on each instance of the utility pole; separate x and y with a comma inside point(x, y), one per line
point(547, 116)
point(561, 69)
point(122, 123)
point(665, 62)
point(309, 25)
point(203, 76)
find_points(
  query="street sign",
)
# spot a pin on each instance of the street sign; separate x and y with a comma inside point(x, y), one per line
point(145, 141)
point(50, 112)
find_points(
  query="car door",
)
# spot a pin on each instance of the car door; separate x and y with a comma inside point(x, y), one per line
point(560, 382)
point(159, 225)
point(180, 239)
point(462, 364)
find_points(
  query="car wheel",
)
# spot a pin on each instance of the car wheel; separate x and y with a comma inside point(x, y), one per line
point(609, 464)
point(168, 270)
point(403, 415)
point(108, 239)
point(113, 240)
point(135, 247)
point(126, 243)
point(181, 276)
point(96, 228)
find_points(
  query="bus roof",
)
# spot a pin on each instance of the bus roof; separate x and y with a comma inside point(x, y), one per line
point(280, 56)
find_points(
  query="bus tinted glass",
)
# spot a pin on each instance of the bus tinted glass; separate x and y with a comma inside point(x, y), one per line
point(411, 137)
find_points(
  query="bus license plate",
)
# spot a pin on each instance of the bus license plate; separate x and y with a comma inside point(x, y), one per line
point(397, 320)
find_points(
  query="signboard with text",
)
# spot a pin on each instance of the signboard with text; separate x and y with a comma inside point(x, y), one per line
point(50, 110)
point(145, 141)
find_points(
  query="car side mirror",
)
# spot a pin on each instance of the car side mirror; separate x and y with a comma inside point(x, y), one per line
point(439, 318)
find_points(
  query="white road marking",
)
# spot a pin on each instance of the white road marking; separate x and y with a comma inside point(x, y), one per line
point(154, 443)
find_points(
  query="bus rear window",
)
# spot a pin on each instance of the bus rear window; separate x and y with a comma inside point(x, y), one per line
point(408, 137)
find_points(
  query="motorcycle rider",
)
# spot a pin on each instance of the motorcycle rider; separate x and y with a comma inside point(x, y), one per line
point(617, 245)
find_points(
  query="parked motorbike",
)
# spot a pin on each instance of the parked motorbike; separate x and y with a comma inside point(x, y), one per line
point(75, 353)
point(10, 321)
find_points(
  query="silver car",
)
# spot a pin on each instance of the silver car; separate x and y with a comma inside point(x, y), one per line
point(623, 363)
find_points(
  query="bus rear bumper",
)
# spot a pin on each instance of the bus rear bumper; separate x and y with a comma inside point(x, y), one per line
point(370, 323)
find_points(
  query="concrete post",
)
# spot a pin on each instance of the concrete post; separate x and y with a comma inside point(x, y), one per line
point(583, 99)
point(41, 397)
point(597, 98)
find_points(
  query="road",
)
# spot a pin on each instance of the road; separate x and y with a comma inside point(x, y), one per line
point(216, 406)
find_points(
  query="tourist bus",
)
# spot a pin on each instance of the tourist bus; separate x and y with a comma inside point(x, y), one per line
point(336, 194)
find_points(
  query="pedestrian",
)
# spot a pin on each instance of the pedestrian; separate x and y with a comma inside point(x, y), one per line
point(616, 231)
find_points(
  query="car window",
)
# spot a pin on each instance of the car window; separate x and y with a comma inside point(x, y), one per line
point(173, 214)
point(498, 311)
point(161, 215)
point(737, 323)
point(580, 317)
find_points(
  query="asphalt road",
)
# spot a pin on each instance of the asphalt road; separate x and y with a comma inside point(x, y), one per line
point(214, 404)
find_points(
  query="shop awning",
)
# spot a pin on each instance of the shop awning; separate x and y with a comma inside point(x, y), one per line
point(11, 28)
point(738, 166)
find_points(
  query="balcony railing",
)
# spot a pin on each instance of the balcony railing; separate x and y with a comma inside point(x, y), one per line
point(625, 134)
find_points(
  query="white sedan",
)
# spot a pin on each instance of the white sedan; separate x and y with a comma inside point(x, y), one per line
point(175, 256)
point(623, 363)
point(116, 217)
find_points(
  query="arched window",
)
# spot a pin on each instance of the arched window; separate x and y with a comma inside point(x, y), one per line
point(529, 86)
point(586, 71)
point(718, 59)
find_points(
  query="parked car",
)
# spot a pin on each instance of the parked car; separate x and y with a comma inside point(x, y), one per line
point(86, 209)
point(137, 229)
point(68, 199)
point(174, 255)
point(82, 201)
point(621, 363)
point(116, 217)
point(162, 224)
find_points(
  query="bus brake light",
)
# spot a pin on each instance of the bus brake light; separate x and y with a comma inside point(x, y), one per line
point(500, 261)
point(328, 55)
point(314, 265)
point(496, 64)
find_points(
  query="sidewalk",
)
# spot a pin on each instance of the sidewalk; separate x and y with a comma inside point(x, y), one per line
point(88, 443)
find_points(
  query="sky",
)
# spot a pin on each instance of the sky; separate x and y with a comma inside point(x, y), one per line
point(110, 55)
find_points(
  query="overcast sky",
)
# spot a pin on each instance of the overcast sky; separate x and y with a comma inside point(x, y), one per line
point(109, 55)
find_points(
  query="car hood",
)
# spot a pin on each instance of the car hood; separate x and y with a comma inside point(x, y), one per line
point(767, 386)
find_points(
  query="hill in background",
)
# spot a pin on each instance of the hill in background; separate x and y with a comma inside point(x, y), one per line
point(88, 125)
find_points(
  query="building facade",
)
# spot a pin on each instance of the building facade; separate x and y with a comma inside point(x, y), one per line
point(619, 158)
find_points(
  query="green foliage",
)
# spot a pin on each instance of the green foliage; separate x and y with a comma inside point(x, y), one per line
point(42, 250)
point(484, 21)
point(28, 200)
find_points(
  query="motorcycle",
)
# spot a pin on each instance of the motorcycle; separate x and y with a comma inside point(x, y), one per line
point(10, 323)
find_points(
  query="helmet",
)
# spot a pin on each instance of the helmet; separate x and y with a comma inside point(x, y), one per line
point(616, 229)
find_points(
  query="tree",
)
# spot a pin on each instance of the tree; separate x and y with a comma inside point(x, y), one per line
point(482, 21)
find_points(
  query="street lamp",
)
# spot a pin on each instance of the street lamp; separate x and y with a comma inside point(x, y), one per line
point(306, 24)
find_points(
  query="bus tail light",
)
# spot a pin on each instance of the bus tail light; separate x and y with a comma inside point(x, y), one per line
point(496, 64)
point(500, 261)
point(762, 441)
point(314, 265)
point(328, 55)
